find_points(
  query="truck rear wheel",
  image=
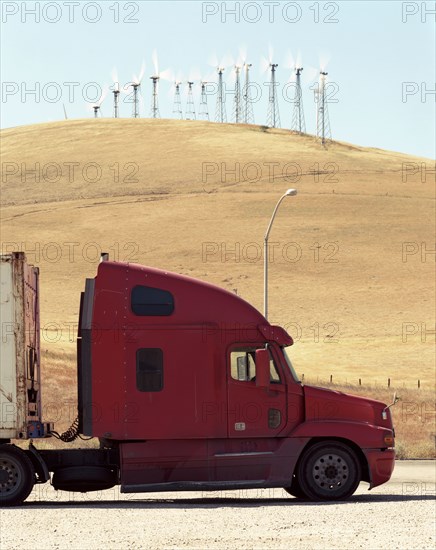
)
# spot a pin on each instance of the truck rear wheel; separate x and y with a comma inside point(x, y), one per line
point(17, 476)
point(329, 471)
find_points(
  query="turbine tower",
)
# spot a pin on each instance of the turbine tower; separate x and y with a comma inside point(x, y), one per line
point(177, 107)
point(220, 113)
point(273, 117)
point(190, 108)
point(135, 110)
point(237, 101)
point(248, 115)
point(154, 112)
point(116, 93)
point(203, 113)
point(323, 131)
point(96, 107)
point(136, 83)
point(298, 122)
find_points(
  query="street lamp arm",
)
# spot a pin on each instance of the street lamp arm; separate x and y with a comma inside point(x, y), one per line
point(289, 193)
point(273, 216)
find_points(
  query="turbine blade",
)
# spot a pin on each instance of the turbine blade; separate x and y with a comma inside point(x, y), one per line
point(324, 59)
point(141, 73)
point(299, 61)
point(167, 74)
point(310, 74)
point(289, 61)
point(213, 60)
point(242, 57)
point(155, 62)
point(264, 64)
point(194, 74)
point(227, 60)
point(103, 96)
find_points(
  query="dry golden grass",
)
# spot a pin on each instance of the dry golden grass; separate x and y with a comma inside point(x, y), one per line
point(349, 316)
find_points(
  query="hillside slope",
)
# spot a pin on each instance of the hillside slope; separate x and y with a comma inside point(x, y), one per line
point(350, 276)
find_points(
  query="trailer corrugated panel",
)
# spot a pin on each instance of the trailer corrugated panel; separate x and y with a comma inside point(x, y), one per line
point(20, 399)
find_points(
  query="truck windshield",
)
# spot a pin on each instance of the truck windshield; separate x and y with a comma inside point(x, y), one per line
point(288, 361)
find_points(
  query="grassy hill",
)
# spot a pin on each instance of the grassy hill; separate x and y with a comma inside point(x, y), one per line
point(349, 276)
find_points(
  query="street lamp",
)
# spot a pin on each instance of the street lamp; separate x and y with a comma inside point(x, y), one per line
point(289, 193)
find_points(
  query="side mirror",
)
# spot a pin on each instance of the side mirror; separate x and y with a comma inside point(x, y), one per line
point(262, 368)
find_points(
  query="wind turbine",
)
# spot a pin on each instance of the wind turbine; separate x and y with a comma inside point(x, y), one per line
point(155, 77)
point(273, 116)
point(247, 115)
point(96, 107)
point(177, 105)
point(298, 124)
point(116, 92)
point(136, 83)
point(220, 66)
point(323, 130)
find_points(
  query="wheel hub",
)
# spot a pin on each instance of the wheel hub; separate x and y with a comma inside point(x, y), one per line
point(330, 472)
point(4, 476)
point(9, 476)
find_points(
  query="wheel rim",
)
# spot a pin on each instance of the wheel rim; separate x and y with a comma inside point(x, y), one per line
point(11, 476)
point(330, 472)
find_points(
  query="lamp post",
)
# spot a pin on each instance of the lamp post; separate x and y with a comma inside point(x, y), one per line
point(289, 193)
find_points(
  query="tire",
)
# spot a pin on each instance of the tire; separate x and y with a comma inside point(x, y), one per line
point(329, 471)
point(17, 476)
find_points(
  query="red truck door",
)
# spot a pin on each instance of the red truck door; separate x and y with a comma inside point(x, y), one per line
point(254, 411)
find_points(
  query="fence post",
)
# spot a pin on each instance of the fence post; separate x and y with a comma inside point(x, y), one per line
point(389, 382)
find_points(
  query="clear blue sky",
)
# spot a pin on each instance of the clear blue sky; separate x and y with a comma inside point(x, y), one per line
point(374, 47)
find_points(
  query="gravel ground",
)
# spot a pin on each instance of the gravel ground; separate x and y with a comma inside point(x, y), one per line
point(400, 514)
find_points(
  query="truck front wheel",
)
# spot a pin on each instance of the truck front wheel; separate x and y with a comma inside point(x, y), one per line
point(329, 471)
point(17, 476)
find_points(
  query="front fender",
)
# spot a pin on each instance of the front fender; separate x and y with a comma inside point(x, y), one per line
point(368, 438)
point(365, 436)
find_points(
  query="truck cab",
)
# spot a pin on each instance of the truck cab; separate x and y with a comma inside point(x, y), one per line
point(197, 388)
point(188, 387)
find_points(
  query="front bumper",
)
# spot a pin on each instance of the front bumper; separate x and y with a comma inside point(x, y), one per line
point(380, 465)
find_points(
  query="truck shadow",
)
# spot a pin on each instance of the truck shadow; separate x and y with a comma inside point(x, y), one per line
point(220, 502)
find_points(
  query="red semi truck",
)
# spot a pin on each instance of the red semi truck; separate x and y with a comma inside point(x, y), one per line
point(186, 386)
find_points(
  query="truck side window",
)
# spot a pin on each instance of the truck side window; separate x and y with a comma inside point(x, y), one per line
point(149, 369)
point(243, 365)
point(146, 300)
